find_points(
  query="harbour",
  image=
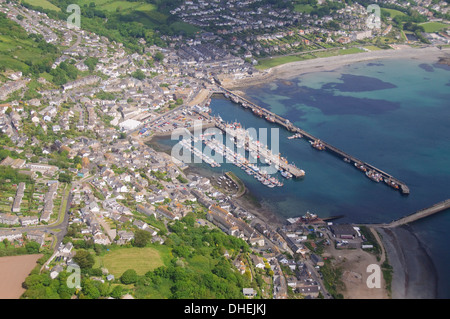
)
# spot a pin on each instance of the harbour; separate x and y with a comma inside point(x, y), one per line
point(372, 172)
point(246, 155)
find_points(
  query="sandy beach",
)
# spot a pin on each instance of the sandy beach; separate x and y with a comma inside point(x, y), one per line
point(294, 69)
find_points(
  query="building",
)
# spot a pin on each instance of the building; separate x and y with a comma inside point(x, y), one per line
point(249, 292)
point(18, 199)
point(344, 231)
point(29, 220)
point(130, 124)
point(166, 213)
point(8, 219)
point(317, 260)
point(37, 236)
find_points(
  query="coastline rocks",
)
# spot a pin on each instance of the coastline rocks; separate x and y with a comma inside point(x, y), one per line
point(444, 60)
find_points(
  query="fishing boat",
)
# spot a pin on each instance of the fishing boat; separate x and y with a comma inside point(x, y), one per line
point(317, 144)
point(270, 118)
point(297, 135)
point(286, 174)
point(376, 177)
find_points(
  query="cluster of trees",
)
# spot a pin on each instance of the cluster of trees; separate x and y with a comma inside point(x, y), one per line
point(13, 175)
point(326, 8)
point(197, 268)
point(8, 249)
point(91, 63)
point(64, 73)
point(44, 54)
point(138, 74)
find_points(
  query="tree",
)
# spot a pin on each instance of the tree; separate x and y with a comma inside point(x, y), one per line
point(117, 292)
point(84, 259)
point(91, 63)
point(65, 178)
point(32, 247)
point(4, 154)
point(90, 290)
point(159, 56)
point(141, 238)
point(138, 74)
point(129, 277)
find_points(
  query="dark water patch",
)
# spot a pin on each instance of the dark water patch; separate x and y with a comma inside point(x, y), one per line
point(331, 104)
point(359, 83)
point(374, 64)
point(442, 66)
point(426, 67)
point(448, 84)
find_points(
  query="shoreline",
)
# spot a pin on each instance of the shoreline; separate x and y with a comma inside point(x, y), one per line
point(414, 273)
point(292, 70)
point(246, 200)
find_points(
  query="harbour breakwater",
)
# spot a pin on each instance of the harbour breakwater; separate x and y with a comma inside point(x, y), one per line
point(375, 174)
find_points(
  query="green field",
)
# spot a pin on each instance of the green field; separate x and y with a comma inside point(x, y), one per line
point(372, 47)
point(304, 8)
point(182, 26)
point(42, 3)
point(272, 62)
point(325, 54)
point(140, 259)
point(393, 13)
point(125, 6)
point(431, 27)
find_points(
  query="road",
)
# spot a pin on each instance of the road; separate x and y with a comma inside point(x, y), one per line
point(59, 227)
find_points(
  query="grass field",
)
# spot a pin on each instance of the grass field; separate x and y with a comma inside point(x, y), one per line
point(188, 28)
point(431, 27)
point(304, 8)
point(325, 54)
point(140, 259)
point(372, 47)
point(14, 52)
point(272, 62)
point(42, 3)
point(393, 13)
point(113, 6)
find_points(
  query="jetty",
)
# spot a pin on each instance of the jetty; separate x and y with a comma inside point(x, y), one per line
point(420, 214)
point(261, 151)
point(372, 172)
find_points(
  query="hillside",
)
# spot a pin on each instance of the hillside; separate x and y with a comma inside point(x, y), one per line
point(121, 21)
point(18, 50)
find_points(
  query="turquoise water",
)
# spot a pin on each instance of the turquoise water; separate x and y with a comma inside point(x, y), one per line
point(392, 114)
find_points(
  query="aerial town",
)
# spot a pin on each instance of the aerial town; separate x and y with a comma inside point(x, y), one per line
point(85, 146)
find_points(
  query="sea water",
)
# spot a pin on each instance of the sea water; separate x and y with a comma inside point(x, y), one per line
point(393, 114)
